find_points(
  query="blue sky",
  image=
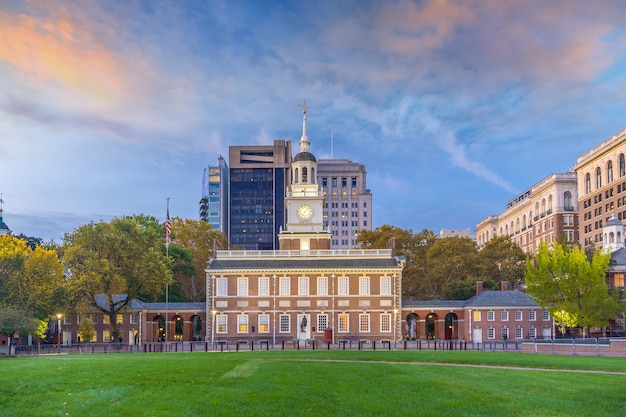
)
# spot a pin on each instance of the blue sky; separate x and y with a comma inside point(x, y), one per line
point(109, 107)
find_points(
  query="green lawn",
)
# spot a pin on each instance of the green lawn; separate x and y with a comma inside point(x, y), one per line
point(312, 383)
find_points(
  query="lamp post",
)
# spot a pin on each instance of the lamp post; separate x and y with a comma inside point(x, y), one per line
point(59, 315)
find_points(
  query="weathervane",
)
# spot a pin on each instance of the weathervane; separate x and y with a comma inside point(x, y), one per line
point(304, 106)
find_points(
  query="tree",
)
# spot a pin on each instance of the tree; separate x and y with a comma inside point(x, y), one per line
point(573, 288)
point(110, 264)
point(448, 260)
point(197, 237)
point(503, 260)
point(14, 320)
point(86, 330)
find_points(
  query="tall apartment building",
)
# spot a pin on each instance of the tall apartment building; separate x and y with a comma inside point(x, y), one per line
point(601, 188)
point(545, 212)
point(214, 201)
point(348, 201)
point(258, 180)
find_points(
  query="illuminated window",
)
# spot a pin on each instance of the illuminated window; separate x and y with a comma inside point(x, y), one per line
point(221, 323)
point(618, 280)
point(477, 316)
point(344, 323)
point(106, 319)
point(106, 335)
point(264, 323)
point(242, 323)
point(119, 319)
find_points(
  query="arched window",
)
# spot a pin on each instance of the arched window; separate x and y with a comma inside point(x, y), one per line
point(609, 172)
point(524, 221)
point(530, 218)
point(305, 177)
point(550, 203)
point(543, 206)
point(598, 178)
point(567, 201)
point(622, 165)
point(296, 176)
point(587, 183)
point(313, 176)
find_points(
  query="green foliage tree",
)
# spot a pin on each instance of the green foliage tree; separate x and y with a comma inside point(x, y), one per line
point(503, 260)
point(192, 246)
point(14, 320)
point(110, 264)
point(448, 260)
point(571, 286)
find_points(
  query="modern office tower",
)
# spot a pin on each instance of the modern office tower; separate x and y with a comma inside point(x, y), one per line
point(545, 212)
point(601, 188)
point(214, 201)
point(258, 180)
point(348, 204)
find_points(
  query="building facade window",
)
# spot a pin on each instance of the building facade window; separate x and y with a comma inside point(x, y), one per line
point(264, 323)
point(491, 315)
point(385, 285)
point(285, 286)
point(504, 315)
point(342, 283)
point(518, 315)
point(491, 333)
point(322, 286)
point(322, 322)
point(546, 315)
point(133, 318)
point(242, 287)
point(284, 321)
point(221, 324)
point(303, 286)
point(622, 165)
point(242, 323)
point(344, 323)
point(477, 316)
point(504, 333)
point(364, 286)
point(364, 323)
point(532, 315)
point(532, 333)
point(598, 178)
point(221, 287)
point(264, 286)
point(385, 322)
point(609, 172)
point(519, 333)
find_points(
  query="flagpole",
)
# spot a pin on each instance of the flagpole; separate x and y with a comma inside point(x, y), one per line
point(167, 255)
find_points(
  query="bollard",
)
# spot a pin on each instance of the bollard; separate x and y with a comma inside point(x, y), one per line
point(328, 345)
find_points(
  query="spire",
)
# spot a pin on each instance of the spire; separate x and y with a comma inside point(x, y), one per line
point(304, 140)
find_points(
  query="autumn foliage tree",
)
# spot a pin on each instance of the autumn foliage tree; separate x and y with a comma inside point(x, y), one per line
point(195, 237)
point(112, 263)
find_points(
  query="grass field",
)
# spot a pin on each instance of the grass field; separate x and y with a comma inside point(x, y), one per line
point(313, 383)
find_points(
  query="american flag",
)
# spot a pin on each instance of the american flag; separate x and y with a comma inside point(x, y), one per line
point(168, 229)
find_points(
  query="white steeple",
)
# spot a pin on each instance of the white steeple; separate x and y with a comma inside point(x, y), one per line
point(304, 140)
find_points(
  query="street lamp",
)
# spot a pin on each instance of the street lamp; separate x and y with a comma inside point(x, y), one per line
point(59, 315)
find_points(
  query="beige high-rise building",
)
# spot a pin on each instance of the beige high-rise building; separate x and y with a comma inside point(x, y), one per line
point(545, 212)
point(601, 188)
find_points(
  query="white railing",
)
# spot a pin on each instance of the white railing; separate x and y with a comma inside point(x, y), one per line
point(330, 253)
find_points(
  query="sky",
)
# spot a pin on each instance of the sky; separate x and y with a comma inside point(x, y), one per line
point(108, 108)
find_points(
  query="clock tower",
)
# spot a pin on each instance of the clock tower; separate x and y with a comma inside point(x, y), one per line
point(304, 202)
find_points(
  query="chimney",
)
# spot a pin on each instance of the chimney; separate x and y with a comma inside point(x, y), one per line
point(479, 287)
point(505, 285)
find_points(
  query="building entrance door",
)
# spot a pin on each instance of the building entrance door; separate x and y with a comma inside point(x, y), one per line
point(477, 335)
point(304, 326)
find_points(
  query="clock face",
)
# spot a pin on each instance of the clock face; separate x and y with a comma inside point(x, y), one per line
point(305, 212)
